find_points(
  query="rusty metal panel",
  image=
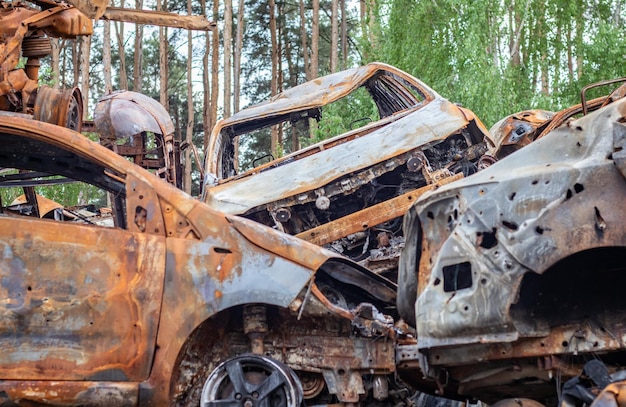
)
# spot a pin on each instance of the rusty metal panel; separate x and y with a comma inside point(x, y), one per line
point(67, 23)
point(614, 395)
point(123, 114)
point(93, 9)
point(66, 393)
point(74, 306)
point(373, 215)
point(143, 315)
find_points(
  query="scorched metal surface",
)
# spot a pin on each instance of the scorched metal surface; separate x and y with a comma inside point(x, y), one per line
point(143, 313)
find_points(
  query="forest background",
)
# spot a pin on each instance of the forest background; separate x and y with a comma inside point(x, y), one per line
point(495, 57)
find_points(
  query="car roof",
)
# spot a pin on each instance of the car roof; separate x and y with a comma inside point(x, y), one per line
point(319, 92)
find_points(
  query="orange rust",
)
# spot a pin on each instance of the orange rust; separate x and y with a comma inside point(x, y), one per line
point(374, 215)
point(337, 310)
point(158, 18)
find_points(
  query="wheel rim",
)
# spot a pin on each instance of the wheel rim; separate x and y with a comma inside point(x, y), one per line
point(252, 381)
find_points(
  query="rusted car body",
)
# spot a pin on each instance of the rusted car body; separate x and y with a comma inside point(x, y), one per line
point(176, 304)
point(136, 126)
point(348, 191)
point(25, 32)
point(513, 277)
point(522, 128)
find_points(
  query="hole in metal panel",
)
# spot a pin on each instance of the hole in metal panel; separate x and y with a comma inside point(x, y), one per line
point(457, 277)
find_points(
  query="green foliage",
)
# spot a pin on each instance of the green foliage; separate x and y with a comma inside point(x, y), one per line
point(353, 111)
point(68, 195)
point(74, 194)
point(465, 50)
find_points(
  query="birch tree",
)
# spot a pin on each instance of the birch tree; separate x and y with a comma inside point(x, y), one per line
point(163, 58)
point(237, 56)
point(334, 36)
point(106, 57)
point(84, 73)
point(119, 32)
point(190, 113)
point(228, 43)
point(138, 58)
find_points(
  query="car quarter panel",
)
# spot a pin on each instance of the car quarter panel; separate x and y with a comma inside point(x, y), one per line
point(499, 224)
point(73, 306)
point(213, 269)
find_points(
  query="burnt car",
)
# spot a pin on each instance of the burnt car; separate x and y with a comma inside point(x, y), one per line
point(513, 277)
point(522, 128)
point(347, 192)
point(174, 303)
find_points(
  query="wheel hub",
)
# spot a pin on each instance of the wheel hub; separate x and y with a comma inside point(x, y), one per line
point(252, 381)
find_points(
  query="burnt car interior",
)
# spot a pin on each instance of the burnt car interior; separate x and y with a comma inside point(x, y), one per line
point(387, 93)
point(41, 164)
point(379, 183)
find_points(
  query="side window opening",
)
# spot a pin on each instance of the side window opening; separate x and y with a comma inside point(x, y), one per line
point(247, 146)
point(44, 181)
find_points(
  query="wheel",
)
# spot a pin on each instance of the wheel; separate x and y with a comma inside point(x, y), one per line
point(61, 107)
point(519, 402)
point(252, 381)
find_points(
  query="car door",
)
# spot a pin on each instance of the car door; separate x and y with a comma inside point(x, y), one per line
point(78, 301)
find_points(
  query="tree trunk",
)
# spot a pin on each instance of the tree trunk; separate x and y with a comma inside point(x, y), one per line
point(580, 28)
point(228, 43)
point(558, 50)
point(570, 52)
point(295, 142)
point(344, 36)
point(138, 60)
point(280, 80)
point(190, 116)
point(119, 31)
point(371, 21)
point(63, 67)
point(363, 17)
point(517, 20)
point(76, 56)
point(215, 62)
point(163, 58)
point(84, 67)
point(315, 41)
point(106, 57)
point(237, 56)
point(334, 36)
point(206, 86)
point(306, 61)
point(315, 38)
point(275, 143)
point(56, 56)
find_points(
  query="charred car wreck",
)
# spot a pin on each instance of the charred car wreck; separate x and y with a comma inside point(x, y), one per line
point(175, 303)
point(513, 276)
point(25, 32)
point(350, 191)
